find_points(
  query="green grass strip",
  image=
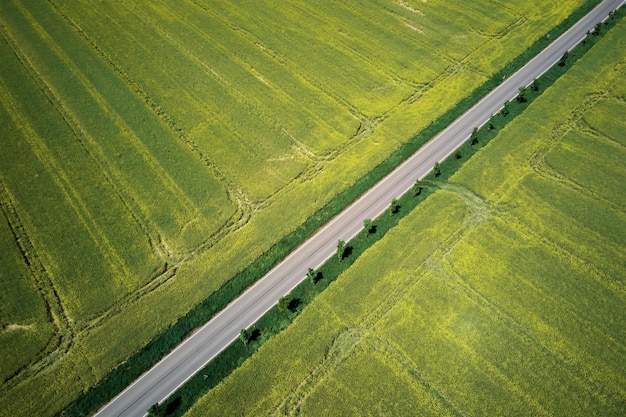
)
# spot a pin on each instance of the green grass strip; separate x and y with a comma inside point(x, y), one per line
point(275, 320)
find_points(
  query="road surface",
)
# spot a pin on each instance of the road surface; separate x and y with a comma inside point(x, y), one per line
point(195, 352)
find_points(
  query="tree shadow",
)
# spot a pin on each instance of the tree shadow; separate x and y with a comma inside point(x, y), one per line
point(317, 277)
point(347, 251)
point(396, 209)
point(172, 406)
point(256, 333)
point(371, 230)
point(294, 304)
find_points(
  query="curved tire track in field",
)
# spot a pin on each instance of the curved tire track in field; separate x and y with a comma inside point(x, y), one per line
point(538, 159)
point(170, 260)
point(63, 337)
point(318, 161)
point(66, 331)
point(458, 282)
point(89, 144)
point(349, 342)
point(237, 196)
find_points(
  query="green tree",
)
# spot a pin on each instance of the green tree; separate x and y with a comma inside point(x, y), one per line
point(310, 275)
point(283, 304)
point(535, 85)
point(341, 248)
point(474, 137)
point(367, 225)
point(521, 97)
point(154, 410)
point(596, 30)
point(394, 207)
point(417, 188)
point(505, 109)
point(563, 59)
point(244, 336)
point(437, 169)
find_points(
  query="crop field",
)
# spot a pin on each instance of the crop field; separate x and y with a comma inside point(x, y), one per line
point(152, 150)
point(502, 294)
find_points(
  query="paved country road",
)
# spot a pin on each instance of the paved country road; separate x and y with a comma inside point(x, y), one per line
point(196, 351)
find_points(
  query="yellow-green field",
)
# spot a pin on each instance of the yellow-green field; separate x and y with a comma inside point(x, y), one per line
point(151, 150)
point(503, 294)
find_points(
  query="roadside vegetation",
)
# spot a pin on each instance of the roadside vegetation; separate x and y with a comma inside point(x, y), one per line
point(501, 294)
point(159, 158)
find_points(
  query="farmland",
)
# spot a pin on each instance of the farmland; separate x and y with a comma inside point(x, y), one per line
point(151, 150)
point(502, 294)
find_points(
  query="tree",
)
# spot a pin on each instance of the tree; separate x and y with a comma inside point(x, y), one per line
point(394, 207)
point(367, 225)
point(310, 275)
point(505, 109)
point(520, 97)
point(457, 155)
point(155, 410)
point(417, 188)
point(341, 248)
point(283, 304)
point(491, 127)
point(535, 85)
point(244, 336)
point(596, 30)
point(563, 59)
point(474, 137)
point(436, 169)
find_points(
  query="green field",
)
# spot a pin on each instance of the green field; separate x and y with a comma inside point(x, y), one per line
point(502, 294)
point(152, 150)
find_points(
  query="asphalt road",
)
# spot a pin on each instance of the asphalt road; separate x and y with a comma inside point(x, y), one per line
point(196, 351)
